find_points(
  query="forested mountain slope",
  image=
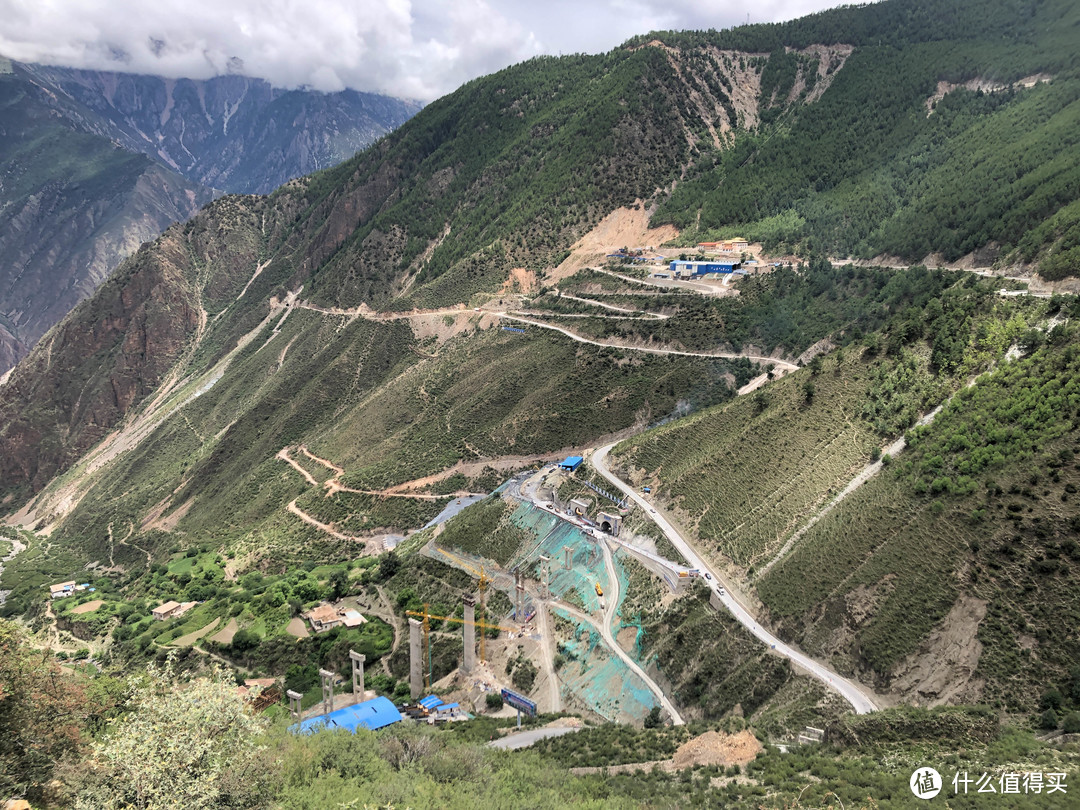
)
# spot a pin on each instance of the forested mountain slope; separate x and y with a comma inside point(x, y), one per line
point(949, 575)
point(900, 157)
point(491, 177)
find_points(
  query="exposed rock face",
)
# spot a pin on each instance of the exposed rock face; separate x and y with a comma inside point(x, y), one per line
point(58, 245)
point(93, 164)
point(91, 369)
point(231, 132)
point(72, 206)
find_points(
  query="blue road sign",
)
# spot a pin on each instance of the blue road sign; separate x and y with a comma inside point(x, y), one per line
point(519, 702)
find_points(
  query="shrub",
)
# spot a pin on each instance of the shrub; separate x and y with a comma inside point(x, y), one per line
point(245, 640)
point(652, 719)
point(1072, 723)
point(494, 701)
point(1051, 699)
point(1049, 720)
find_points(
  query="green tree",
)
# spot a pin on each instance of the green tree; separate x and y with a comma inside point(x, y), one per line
point(177, 748)
point(42, 714)
point(652, 719)
point(339, 584)
point(1051, 699)
point(245, 640)
point(1048, 720)
point(1072, 723)
point(389, 563)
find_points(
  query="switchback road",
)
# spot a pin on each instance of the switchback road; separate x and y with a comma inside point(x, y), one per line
point(849, 690)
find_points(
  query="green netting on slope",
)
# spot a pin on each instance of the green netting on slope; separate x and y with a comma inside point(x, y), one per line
point(586, 565)
point(600, 678)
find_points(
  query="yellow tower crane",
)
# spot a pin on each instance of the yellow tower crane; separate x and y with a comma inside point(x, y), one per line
point(484, 580)
point(425, 616)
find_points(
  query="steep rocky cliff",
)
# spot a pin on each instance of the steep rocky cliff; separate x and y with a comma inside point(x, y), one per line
point(232, 133)
point(93, 164)
point(72, 206)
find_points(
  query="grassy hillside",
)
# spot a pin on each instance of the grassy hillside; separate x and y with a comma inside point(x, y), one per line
point(251, 384)
point(966, 538)
point(979, 511)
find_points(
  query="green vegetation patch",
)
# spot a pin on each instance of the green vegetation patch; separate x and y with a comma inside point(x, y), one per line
point(711, 661)
point(976, 517)
point(485, 528)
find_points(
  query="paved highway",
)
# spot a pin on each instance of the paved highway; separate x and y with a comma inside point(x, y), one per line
point(523, 739)
point(850, 691)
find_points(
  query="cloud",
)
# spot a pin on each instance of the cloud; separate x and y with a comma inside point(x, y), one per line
point(409, 48)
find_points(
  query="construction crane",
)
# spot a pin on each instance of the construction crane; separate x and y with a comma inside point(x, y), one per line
point(424, 616)
point(484, 581)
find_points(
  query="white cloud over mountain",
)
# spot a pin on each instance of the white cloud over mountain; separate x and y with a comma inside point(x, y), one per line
point(419, 49)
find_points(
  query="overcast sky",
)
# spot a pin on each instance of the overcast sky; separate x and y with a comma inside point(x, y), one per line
point(420, 49)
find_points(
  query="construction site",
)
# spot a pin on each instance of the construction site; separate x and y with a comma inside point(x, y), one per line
point(564, 644)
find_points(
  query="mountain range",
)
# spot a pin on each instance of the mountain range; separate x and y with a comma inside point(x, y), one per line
point(96, 163)
point(898, 497)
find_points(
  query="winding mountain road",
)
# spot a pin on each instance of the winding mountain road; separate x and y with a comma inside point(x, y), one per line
point(757, 358)
point(847, 689)
point(604, 628)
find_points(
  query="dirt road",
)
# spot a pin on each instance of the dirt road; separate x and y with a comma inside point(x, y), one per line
point(648, 350)
point(605, 633)
point(547, 657)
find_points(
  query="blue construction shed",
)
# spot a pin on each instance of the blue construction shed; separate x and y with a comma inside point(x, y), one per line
point(371, 714)
point(571, 463)
point(683, 269)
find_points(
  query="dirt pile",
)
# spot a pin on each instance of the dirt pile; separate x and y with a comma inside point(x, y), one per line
point(623, 227)
point(714, 748)
point(710, 748)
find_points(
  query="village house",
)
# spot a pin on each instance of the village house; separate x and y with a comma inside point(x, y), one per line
point(323, 618)
point(165, 611)
point(171, 609)
point(62, 589)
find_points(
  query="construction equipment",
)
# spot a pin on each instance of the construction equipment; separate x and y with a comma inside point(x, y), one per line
point(484, 580)
point(424, 616)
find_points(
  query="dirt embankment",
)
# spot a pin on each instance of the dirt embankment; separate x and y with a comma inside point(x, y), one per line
point(710, 748)
point(983, 84)
point(942, 671)
point(623, 227)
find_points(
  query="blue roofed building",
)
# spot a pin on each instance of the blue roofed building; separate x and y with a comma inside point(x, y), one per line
point(371, 714)
point(570, 463)
point(683, 269)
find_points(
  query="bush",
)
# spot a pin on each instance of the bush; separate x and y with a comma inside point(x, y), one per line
point(1049, 720)
point(1051, 699)
point(245, 640)
point(1072, 723)
point(652, 719)
point(494, 701)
